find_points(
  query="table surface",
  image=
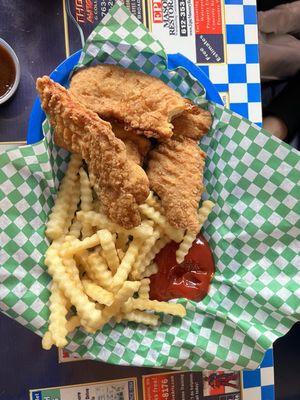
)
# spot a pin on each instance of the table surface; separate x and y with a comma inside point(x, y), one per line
point(32, 43)
point(23, 364)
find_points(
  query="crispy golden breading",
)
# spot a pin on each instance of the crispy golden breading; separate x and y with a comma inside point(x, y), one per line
point(142, 102)
point(137, 146)
point(134, 160)
point(175, 173)
point(193, 123)
point(120, 186)
point(132, 152)
point(136, 149)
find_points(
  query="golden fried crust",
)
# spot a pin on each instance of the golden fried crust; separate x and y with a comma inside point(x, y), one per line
point(120, 187)
point(175, 173)
point(136, 149)
point(132, 152)
point(142, 102)
point(193, 123)
point(137, 146)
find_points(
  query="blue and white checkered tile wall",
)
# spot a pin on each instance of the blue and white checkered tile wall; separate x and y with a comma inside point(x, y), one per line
point(240, 77)
point(259, 384)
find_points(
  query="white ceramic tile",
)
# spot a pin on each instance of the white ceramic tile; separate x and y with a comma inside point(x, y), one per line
point(219, 74)
point(234, 14)
point(252, 394)
point(236, 53)
point(267, 376)
point(238, 92)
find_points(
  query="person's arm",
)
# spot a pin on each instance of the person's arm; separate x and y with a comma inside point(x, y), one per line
point(284, 112)
point(284, 18)
point(264, 5)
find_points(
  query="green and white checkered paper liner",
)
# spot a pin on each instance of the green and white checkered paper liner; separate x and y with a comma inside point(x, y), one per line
point(253, 231)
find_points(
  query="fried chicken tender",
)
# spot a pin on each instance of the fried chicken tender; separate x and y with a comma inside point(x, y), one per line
point(119, 186)
point(175, 168)
point(175, 172)
point(193, 123)
point(136, 147)
point(142, 102)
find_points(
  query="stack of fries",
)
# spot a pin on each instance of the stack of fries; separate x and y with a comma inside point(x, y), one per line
point(101, 268)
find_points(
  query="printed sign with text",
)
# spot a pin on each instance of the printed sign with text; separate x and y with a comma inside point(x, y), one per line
point(122, 389)
point(194, 28)
point(220, 385)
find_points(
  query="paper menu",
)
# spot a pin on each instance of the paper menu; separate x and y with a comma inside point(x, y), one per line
point(222, 385)
point(122, 389)
point(210, 385)
point(195, 28)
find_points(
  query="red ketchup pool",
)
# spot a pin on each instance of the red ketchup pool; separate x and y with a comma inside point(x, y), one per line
point(190, 279)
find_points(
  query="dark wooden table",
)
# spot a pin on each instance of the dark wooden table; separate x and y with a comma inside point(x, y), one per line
point(35, 30)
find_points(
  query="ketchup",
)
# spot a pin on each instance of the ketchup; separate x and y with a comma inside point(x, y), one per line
point(190, 279)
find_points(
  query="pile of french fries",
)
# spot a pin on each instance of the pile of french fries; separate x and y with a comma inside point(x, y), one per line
point(101, 268)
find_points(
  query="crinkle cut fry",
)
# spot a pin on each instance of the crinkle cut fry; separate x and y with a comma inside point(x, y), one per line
point(158, 306)
point(126, 264)
point(150, 270)
point(69, 262)
point(75, 228)
point(101, 221)
point(126, 291)
point(79, 245)
point(57, 318)
point(189, 236)
point(95, 268)
point(140, 317)
point(109, 251)
point(153, 201)
point(144, 289)
point(159, 219)
point(81, 131)
point(97, 293)
point(60, 216)
point(142, 259)
point(122, 241)
point(204, 211)
point(86, 310)
point(121, 254)
point(160, 244)
point(185, 246)
point(71, 324)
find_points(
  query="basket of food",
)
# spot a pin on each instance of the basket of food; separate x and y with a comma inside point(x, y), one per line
point(101, 246)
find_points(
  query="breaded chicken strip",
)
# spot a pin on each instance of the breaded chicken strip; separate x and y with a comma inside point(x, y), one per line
point(175, 173)
point(175, 169)
point(193, 123)
point(136, 147)
point(142, 102)
point(119, 187)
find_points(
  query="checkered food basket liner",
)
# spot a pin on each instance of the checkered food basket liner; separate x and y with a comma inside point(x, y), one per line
point(253, 232)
